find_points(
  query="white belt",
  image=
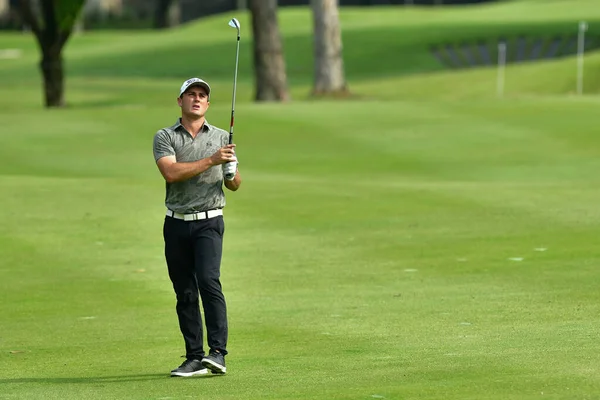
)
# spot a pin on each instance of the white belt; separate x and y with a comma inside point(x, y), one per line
point(195, 216)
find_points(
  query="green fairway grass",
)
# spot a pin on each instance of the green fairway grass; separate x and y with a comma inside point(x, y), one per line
point(422, 239)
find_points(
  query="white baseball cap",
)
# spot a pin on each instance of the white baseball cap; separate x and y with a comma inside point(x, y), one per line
point(194, 81)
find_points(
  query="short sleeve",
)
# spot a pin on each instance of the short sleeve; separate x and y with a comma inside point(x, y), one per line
point(162, 145)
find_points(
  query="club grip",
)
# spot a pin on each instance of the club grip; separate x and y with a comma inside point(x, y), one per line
point(231, 127)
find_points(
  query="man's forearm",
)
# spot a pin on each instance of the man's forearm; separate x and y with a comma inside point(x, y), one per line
point(235, 183)
point(181, 171)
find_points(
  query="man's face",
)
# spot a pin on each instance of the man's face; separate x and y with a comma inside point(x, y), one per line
point(194, 102)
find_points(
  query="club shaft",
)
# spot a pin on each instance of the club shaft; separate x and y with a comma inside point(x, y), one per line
point(237, 56)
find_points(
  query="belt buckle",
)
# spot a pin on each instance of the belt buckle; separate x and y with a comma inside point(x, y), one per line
point(200, 215)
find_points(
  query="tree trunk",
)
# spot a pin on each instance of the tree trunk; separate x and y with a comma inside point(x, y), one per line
point(161, 14)
point(167, 14)
point(269, 64)
point(329, 64)
point(52, 23)
point(9, 16)
point(52, 71)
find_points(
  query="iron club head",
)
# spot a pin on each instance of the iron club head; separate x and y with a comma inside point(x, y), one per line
point(234, 23)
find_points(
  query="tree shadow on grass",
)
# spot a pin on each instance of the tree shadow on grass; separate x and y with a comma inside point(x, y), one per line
point(100, 379)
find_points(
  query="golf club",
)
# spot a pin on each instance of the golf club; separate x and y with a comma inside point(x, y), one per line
point(234, 23)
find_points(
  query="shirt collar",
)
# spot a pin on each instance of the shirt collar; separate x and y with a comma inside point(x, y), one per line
point(205, 127)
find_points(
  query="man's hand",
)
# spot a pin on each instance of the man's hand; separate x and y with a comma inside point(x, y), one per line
point(229, 170)
point(224, 155)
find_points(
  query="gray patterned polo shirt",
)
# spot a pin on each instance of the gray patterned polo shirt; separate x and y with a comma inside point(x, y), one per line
point(204, 191)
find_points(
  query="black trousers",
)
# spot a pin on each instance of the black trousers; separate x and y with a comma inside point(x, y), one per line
point(193, 252)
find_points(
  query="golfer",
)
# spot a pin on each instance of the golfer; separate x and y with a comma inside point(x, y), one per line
point(194, 157)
